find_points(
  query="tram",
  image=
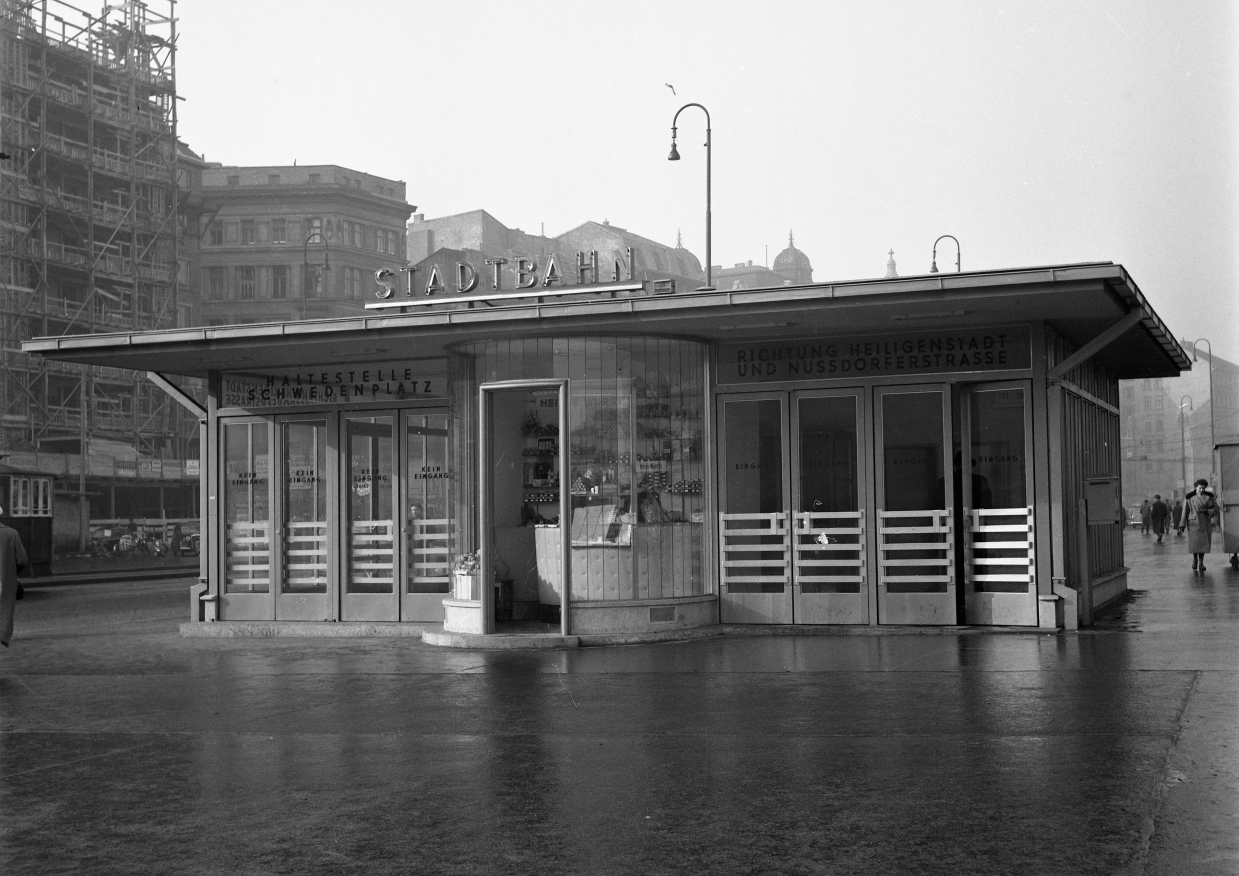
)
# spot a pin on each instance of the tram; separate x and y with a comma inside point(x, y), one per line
point(26, 495)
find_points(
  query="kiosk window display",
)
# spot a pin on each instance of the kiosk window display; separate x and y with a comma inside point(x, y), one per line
point(636, 455)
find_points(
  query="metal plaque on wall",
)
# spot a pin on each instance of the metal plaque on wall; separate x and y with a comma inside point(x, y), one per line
point(875, 355)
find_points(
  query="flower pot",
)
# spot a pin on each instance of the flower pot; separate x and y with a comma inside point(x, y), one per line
point(466, 585)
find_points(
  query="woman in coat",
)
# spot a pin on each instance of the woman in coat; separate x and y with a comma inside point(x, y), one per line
point(1199, 513)
point(12, 558)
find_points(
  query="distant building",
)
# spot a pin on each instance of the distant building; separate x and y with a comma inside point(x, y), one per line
point(475, 236)
point(791, 268)
point(285, 242)
point(1161, 448)
point(94, 237)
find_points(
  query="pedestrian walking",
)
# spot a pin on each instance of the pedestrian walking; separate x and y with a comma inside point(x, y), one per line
point(1176, 513)
point(12, 561)
point(1200, 512)
point(1158, 514)
point(1146, 517)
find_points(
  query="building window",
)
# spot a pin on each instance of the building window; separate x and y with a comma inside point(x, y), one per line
point(358, 233)
point(217, 234)
point(279, 281)
point(215, 282)
point(245, 287)
point(273, 179)
point(249, 232)
point(313, 225)
point(234, 180)
point(316, 178)
point(279, 231)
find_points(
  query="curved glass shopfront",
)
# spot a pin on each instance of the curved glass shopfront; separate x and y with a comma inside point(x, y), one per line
point(636, 467)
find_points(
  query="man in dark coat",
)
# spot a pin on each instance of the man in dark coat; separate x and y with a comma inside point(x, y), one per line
point(1146, 517)
point(12, 559)
point(1176, 513)
point(1158, 515)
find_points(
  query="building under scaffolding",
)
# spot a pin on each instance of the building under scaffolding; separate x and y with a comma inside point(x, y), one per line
point(93, 226)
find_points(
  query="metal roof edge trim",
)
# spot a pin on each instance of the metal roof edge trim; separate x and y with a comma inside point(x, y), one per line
point(689, 299)
point(1152, 322)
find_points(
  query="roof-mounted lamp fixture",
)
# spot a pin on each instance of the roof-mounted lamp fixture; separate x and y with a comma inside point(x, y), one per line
point(318, 270)
point(675, 156)
point(933, 263)
point(1184, 402)
point(1196, 358)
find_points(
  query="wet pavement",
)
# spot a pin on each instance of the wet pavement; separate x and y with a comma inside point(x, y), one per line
point(125, 748)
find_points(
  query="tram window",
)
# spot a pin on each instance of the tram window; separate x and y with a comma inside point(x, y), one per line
point(30, 497)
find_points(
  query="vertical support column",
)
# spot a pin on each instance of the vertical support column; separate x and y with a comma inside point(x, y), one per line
point(1057, 501)
point(204, 571)
point(1084, 573)
point(486, 568)
point(1041, 469)
point(211, 465)
point(709, 526)
point(565, 513)
point(83, 449)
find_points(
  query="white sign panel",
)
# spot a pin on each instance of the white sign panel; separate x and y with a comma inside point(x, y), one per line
point(333, 386)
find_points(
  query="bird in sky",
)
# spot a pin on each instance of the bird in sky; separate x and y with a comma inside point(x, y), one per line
point(669, 85)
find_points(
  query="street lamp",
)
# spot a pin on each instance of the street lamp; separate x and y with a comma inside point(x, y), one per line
point(305, 261)
point(675, 156)
point(1183, 441)
point(933, 259)
point(1212, 401)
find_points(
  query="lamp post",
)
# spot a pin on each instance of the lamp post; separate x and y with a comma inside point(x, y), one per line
point(675, 156)
point(1183, 441)
point(1212, 401)
point(305, 260)
point(933, 259)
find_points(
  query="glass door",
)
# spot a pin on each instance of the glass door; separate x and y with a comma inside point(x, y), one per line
point(370, 546)
point(829, 525)
point(246, 541)
point(755, 545)
point(998, 537)
point(305, 529)
point(427, 527)
point(915, 544)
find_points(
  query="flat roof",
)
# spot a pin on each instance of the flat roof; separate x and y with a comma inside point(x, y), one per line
point(1079, 301)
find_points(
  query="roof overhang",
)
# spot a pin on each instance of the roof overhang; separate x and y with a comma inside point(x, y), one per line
point(1078, 301)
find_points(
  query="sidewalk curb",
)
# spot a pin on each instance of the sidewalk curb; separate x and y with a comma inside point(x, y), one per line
point(114, 576)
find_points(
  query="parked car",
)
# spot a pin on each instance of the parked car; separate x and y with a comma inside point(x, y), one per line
point(191, 543)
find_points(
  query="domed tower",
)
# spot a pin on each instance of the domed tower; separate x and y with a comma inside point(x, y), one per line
point(793, 264)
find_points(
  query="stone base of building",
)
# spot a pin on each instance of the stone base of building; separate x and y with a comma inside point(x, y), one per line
point(299, 629)
point(643, 616)
point(463, 616)
point(1109, 587)
point(500, 641)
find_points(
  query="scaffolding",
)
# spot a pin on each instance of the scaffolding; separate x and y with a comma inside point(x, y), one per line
point(91, 218)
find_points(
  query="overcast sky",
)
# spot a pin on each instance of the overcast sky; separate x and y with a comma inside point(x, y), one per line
point(1037, 132)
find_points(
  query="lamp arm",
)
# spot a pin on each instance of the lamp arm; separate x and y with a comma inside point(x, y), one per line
point(957, 250)
point(686, 106)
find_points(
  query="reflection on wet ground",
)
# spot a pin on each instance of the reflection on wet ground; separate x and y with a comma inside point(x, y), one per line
point(126, 749)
